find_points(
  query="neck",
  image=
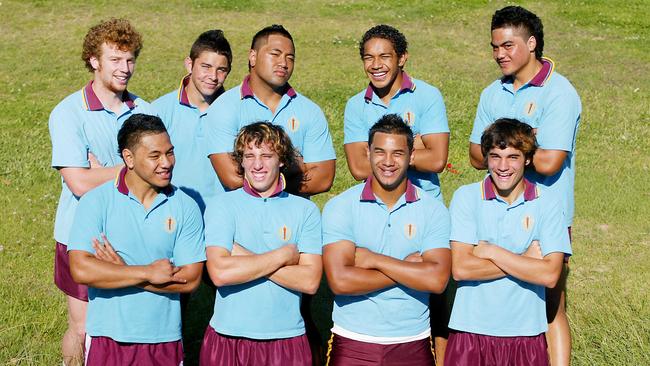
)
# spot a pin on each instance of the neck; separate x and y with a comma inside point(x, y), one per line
point(387, 93)
point(197, 99)
point(268, 95)
point(142, 190)
point(512, 194)
point(389, 196)
point(527, 73)
point(110, 99)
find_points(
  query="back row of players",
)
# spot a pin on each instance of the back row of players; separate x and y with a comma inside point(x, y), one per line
point(138, 242)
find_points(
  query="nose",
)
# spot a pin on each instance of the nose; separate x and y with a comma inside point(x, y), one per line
point(124, 65)
point(257, 163)
point(375, 63)
point(503, 164)
point(167, 161)
point(498, 52)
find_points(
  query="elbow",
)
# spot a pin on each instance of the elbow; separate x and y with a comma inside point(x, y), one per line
point(477, 164)
point(79, 275)
point(548, 169)
point(312, 286)
point(78, 189)
point(337, 284)
point(439, 285)
point(458, 273)
point(358, 175)
point(438, 166)
point(551, 280)
point(231, 183)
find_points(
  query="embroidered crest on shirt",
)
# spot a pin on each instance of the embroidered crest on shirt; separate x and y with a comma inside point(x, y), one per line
point(170, 224)
point(284, 233)
point(409, 118)
point(527, 222)
point(409, 231)
point(529, 109)
point(293, 124)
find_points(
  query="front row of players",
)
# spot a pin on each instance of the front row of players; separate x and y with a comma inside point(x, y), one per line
point(138, 242)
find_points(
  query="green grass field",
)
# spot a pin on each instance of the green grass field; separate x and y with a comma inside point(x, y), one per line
point(601, 46)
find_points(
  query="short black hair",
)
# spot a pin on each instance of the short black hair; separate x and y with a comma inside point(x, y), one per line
point(386, 32)
point(392, 124)
point(518, 17)
point(265, 32)
point(508, 132)
point(137, 126)
point(212, 41)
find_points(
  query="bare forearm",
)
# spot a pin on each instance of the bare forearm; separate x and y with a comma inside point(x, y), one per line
point(472, 268)
point(226, 170)
point(318, 177)
point(99, 274)
point(357, 158)
point(302, 278)
point(548, 162)
point(543, 272)
point(191, 273)
point(476, 157)
point(422, 276)
point(431, 152)
point(233, 270)
point(82, 180)
point(351, 280)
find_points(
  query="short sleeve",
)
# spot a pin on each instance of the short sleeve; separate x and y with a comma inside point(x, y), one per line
point(219, 223)
point(69, 144)
point(221, 125)
point(462, 212)
point(88, 222)
point(355, 127)
point(482, 119)
point(189, 247)
point(318, 141)
point(337, 223)
point(311, 235)
point(434, 118)
point(559, 123)
point(436, 234)
point(553, 232)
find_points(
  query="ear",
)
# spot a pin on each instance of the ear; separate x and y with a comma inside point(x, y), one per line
point(252, 57)
point(368, 152)
point(527, 162)
point(402, 60)
point(94, 62)
point(129, 158)
point(188, 64)
point(531, 43)
point(412, 158)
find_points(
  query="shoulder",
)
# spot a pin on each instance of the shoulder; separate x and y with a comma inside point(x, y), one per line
point(307, 104)
point(165, 100)
point(357, 98)
point(558, 84)
point(424, 88)
point(72, 103)
point(299, 202)
point(345, 198)
point(99, 195)
point(469, 192)
point(229, 96)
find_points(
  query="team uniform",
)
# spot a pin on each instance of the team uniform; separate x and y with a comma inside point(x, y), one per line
point(503, 321)
point(131, 325)
point(549, 103)
point(193, 172)
point(418, 103)
point(392, 323)
point(80, 125)
point(302, 120)
point(259, 322)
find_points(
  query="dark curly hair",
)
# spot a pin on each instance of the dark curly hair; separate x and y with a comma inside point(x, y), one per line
point(518, 17)
point(118, 32)
point(392, 124)
point(507, 132)
point(135, 127)
point(386, 32)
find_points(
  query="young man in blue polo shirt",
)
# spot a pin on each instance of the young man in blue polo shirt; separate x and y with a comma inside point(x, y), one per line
point(264, 252)
point(386, 248)
point(532, 92)
point(183, 111)
point(265, 95)
point(83, 129)
point(155, 252)
point(508, 242)
point(384, 53)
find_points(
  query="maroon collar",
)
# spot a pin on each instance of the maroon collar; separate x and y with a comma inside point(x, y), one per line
point(548, 66)
point(92, 102)
point(120, 184)
point(489, 193)
point(407, 85)
point(247, 92)
point(279, 188)
point(368, 195)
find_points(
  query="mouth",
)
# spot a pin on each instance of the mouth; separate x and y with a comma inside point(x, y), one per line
point(381, 75)
point(502, 176)
point(280, 73)
point(259, 176)
point(164, 175)
point(388, 173)
point(122, 79)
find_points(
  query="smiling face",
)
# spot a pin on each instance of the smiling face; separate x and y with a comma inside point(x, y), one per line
point(261, 168)
point(208, 73)
point(152, 160)
point(513, 50)
point(272, 62)
point(383, 66)
point(113, 68)
point(390, 158)
point(506, 168)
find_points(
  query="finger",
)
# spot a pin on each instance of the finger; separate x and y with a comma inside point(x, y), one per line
point(175, 270)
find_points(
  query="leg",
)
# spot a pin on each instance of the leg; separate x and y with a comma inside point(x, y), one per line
point(439, 319)
point(73, 338)
point(558, 336)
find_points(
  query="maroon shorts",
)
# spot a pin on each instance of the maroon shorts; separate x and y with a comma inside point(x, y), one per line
point(482, 350)
point(63, 278)
point(218, 349)
point(347, 352)
point(104, 351)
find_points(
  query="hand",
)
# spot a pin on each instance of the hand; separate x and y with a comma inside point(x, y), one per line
point(104, 251)
point(415, 257)
point(363, 258)
point(237, 249)
point(292, 254)
point(483, 249)
point(163, 271)
point(534, 250)
point(417, 142)
point(94, 162)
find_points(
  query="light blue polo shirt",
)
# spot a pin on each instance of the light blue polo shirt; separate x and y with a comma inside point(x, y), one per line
point(260, 309)
point(417, 222)
point(549, 103)
point(79, 125)
point(301, 119)
point(418, 103)
point(505, 307)
point(193, 172)
point(171, 228)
